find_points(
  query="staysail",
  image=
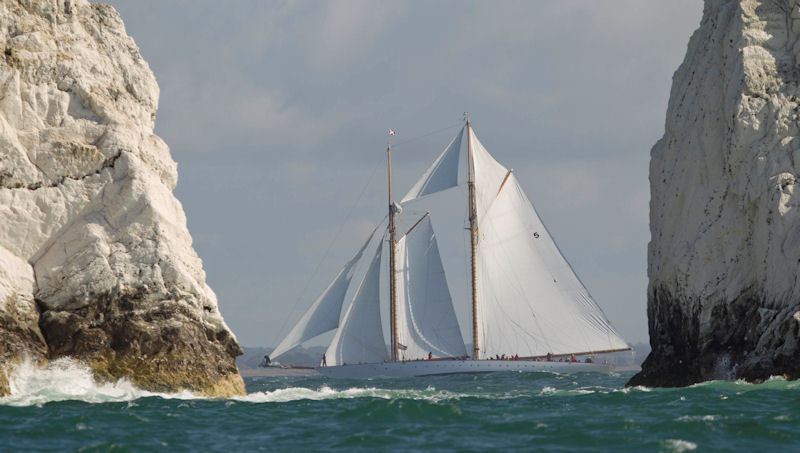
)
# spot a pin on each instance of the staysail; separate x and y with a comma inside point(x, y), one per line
point(426, 319)
point(360, 334)
point(323, 315)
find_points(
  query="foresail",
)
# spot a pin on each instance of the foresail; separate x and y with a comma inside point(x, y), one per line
point(360, 335)
point(442, 175)
point(323, 315)
point(530, 302)
point(426, 320)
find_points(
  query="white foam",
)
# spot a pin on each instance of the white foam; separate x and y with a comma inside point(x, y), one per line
point(67, 379)
point(679, 445)
point(325, 393)
point(548, 391)
point(698, 418)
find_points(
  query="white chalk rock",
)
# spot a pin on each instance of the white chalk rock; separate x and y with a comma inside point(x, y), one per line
point(88, 214)
point(724, 256)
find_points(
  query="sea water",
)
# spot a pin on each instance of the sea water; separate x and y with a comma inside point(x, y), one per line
point(62, 408)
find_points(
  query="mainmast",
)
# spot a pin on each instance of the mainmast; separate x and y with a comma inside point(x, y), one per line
point(473, 229)
point(392, 263)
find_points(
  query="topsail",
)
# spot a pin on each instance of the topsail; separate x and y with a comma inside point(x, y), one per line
point(442, 174)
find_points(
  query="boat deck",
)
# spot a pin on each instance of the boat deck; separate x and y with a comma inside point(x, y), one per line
point(448, 367)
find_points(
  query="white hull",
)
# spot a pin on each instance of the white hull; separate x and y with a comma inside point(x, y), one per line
point(445, 367)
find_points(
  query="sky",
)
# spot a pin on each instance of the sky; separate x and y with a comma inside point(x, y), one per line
point(277, 114)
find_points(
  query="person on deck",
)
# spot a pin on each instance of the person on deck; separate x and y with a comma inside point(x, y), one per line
point(430, 355)
point(267, 361)
point(324, 361)
point(549, 356)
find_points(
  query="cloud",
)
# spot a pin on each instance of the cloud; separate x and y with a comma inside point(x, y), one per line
point(347, 30)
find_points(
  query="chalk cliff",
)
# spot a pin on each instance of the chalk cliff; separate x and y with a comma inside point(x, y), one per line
point(96, 261)
point(724, 255)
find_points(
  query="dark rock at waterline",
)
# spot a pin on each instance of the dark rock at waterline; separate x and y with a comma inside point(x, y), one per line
point(162, 346)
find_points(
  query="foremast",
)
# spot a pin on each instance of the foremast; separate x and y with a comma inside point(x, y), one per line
point(392, 262)
point(473, 230)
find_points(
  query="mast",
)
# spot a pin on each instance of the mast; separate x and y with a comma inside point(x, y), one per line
point(473, 229)
point(392, 263)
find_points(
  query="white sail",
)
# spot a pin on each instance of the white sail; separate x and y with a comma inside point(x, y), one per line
point(442, 175)
point(323, 315)
point(530, 302)
point(360, 335)
point(426, 320)
point(488, 175)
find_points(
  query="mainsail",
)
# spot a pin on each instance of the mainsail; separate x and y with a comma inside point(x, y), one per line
point(360, 334)
point(530, 302)
point(426, 318)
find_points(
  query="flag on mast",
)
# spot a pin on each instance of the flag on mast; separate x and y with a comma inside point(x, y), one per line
point(391, 132)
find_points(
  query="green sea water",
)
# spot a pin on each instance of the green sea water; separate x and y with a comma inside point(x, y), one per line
point(63, 409)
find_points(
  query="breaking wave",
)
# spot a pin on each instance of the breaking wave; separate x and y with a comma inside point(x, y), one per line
point(68, 379)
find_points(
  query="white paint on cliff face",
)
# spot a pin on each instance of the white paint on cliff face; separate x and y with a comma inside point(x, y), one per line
point(85, 186)
point(724, 214)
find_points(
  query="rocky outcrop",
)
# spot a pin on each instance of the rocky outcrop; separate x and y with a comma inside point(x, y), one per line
point(96, 261)
point(724, 257)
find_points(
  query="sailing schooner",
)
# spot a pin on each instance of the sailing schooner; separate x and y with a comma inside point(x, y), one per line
point(526, 300)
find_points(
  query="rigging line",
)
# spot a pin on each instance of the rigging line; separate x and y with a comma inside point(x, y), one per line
point(426, 134)
point(378, 163)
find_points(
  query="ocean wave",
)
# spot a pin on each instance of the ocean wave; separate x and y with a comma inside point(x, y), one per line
point(67, 379)
point(70, 380)
point(774, 382)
